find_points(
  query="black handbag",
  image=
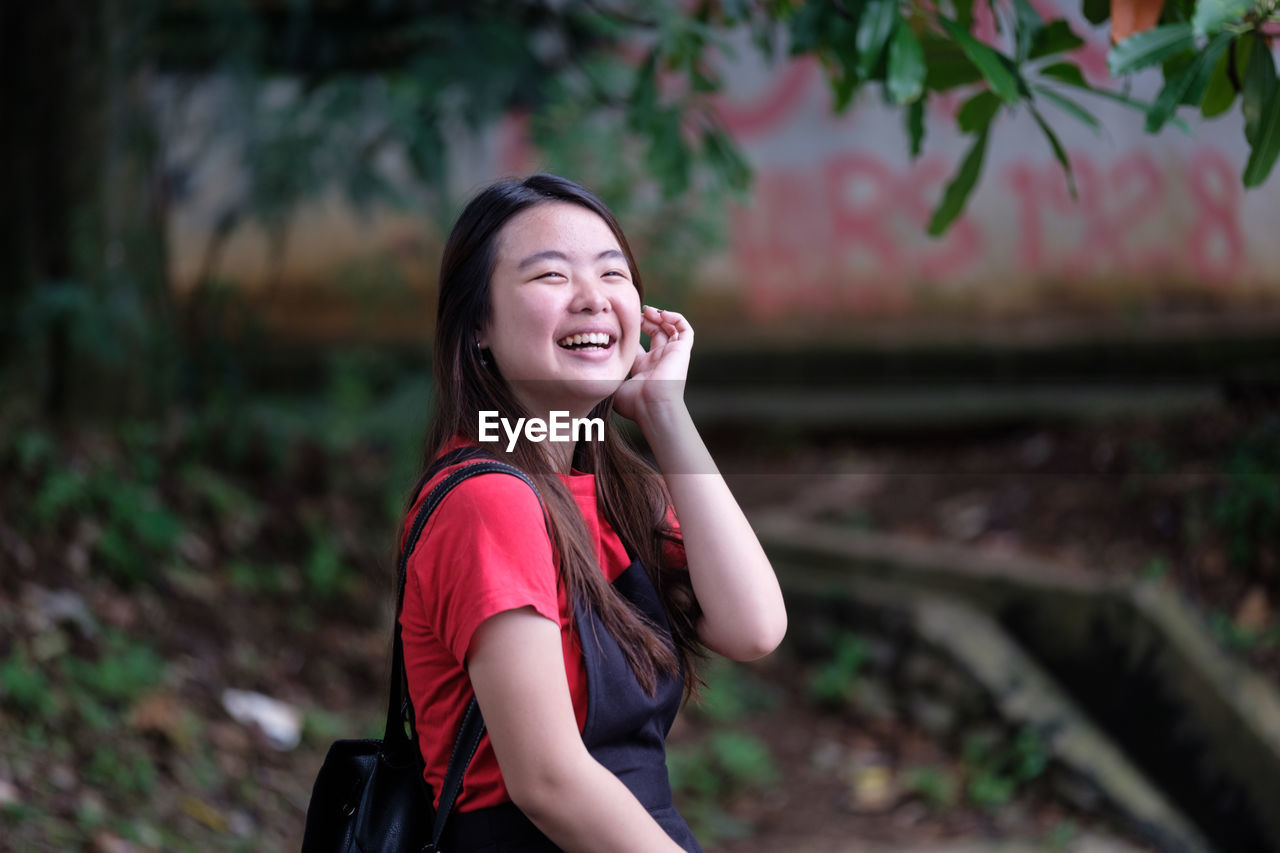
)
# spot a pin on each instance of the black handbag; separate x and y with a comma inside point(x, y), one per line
point(370, 795)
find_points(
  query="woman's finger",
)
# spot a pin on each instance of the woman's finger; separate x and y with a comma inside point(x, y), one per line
point(672, 324)
point(657, 335)
point(651, 324)
point(680, 328)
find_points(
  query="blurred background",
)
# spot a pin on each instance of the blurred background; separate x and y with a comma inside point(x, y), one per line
point(999, 384)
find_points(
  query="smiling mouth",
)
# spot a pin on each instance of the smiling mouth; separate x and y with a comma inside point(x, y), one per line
point(589, 340)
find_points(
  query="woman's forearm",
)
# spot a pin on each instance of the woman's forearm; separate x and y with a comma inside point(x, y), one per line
point(581, 806)
point(516, 666)
point(743, 613)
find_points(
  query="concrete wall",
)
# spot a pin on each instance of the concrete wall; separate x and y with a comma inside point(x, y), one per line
point(1162, 236)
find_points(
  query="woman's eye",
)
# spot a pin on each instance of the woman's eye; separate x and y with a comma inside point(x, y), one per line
point(551, 274)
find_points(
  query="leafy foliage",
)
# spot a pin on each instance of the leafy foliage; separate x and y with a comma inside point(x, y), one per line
point(834, 682)
point(313, 98)
point(646, 74)
point(1247, 504)
point(995, 769)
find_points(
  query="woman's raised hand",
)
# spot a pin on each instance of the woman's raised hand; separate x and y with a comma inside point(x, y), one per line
point(658, 374)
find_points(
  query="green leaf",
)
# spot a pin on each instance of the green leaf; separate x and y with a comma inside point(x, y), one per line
point(1241, 50)
point(1056, 37)
point(1058, 151)
point(947, 65)
point(874, 30)
point(1003, 82)
point(915, 125)
point(1188, 85)
point(906, 66)
point(1261, 106)
point(667, 157)
point(1069, 106)
point(964, 12)
point(725, 158)
point(1213, 15)
point(701, 81)
point(1174, 64)
point(1148, 48)
point(1220, 94)
point(1096, 11)
point(1066, 72)
point(1259, 89)
point(1027, 27)
point(809, 25)
point(1262, 157)
point(644, 94)
point(957, 192)
point(844, 87)
point(975, 114)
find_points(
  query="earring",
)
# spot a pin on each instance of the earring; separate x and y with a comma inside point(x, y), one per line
point(484, 361)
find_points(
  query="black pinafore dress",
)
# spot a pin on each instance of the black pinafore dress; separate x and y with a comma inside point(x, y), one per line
point(625, 730)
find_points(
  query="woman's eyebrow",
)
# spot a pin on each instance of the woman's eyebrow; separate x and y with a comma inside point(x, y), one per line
point(554, 255)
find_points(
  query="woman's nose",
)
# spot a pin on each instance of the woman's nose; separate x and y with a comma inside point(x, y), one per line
point(589, 296)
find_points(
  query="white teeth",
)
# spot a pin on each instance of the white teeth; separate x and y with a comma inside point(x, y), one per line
point(590, 338)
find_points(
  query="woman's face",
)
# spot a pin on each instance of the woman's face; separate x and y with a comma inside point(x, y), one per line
point(565, 322)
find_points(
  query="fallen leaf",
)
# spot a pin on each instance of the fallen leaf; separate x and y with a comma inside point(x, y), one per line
point(158, 713)
point(204, 813)
point(1254, 611)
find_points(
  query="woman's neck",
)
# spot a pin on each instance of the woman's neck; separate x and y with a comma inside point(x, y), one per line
point(560, 456)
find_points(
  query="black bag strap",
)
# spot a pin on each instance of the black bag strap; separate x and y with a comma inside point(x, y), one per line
point(399, 706)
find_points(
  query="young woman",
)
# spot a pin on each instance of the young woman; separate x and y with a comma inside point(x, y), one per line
point(573, 614)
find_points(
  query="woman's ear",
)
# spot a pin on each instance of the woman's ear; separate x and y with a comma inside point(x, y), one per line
point(482, 339)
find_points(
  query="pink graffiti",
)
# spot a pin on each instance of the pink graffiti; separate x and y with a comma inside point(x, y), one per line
point(772, 108)
point(845, 236)
point(1121, 221)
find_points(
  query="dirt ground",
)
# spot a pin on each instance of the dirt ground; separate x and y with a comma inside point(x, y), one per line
point(1185, 501)
point(1189, 501)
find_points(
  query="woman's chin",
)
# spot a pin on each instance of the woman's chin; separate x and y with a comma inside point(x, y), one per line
point(577, 396)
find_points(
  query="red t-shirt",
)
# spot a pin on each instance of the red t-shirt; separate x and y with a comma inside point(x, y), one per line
point(485, 550)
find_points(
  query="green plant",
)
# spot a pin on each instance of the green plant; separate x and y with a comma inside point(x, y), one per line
point(691, 773)
point(1232, 636)
point(704, 774)
point(121, 767)
point(730, 692)
point(138, 532)
point(996, 770)
point(1156, 569)
point(216, 492)
point(325, 570)
point(989, 790)
point(141, 533)
point(63, 491)
point(34, 449)
point(249, 576)
point(1061, 834)
point(744, 760)
point(123, 671)
point(935, 785)
point(1246, 507)
point(24, 686)
point(832, 684)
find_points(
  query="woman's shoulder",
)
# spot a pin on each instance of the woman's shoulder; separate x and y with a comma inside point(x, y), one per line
point(480, 490)
point(493, 497)
point(489, 506)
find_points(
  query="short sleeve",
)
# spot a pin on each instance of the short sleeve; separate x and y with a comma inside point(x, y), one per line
point(485, 550)
point(673, 556)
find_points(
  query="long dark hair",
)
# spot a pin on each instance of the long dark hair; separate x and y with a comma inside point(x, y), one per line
point(631, 494)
